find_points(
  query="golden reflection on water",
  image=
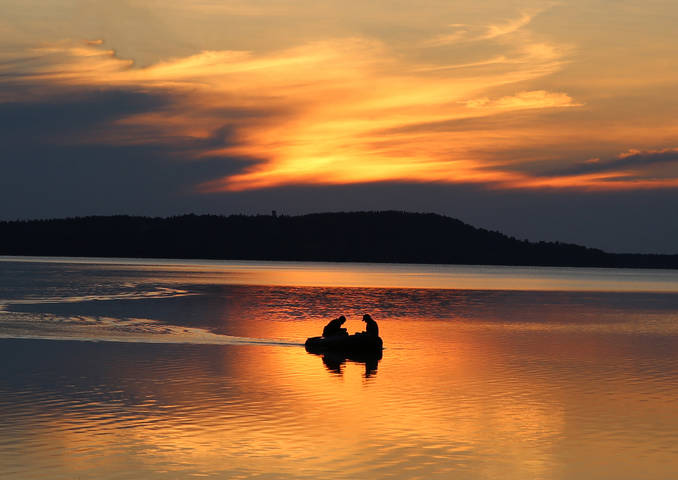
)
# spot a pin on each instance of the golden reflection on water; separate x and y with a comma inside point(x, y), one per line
point(511, 385)
point(471, 403)
point(464, 277)
point(383, 275)
point(288, 415)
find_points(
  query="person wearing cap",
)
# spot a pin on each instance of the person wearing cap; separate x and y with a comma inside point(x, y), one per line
point(371, 327)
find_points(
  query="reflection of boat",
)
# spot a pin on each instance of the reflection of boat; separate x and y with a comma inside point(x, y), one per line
point(351, 344)
point(334, 360)
point(358, 348)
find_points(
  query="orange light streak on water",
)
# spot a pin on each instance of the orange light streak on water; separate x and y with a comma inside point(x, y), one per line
point(487, 402)
point(505, 383)
point(388, 275)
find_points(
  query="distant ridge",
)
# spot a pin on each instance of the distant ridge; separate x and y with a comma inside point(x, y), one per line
point(388, 236)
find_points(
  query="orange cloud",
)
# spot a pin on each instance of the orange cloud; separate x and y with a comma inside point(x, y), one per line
point(337, 112)
point(336, 97)
point(473, 33)
point(532, 99)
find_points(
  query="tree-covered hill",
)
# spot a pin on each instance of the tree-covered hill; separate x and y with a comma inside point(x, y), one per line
point(355, 236)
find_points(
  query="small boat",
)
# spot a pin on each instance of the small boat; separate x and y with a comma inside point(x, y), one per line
point(356, 343)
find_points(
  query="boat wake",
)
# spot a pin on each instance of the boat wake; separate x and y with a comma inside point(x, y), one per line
point(155, 292)
point(15, 323)
point(105, 329)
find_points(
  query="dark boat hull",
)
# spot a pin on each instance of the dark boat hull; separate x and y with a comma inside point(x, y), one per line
point(356, 343)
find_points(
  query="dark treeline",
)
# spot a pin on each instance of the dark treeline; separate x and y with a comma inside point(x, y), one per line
point(357, 236)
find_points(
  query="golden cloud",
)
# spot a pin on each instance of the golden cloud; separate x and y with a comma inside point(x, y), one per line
point(333, 112)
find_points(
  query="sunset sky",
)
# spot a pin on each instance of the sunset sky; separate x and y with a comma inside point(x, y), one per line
point(545, 120)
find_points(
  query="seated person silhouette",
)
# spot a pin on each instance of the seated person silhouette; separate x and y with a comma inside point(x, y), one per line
point(371, 327)
point(334, 329)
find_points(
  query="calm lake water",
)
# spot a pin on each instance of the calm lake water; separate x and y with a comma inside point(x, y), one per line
point(131, 369)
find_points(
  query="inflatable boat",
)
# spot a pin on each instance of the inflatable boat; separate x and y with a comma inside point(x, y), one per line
point(356, 343)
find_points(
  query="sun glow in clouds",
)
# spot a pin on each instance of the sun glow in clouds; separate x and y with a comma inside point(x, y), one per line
point(344, 110)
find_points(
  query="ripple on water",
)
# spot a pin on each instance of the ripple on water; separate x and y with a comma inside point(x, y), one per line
point(472, 385)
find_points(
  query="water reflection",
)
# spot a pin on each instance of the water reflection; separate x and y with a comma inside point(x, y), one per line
point(334, 361)
point(362, 275)
point(450, 402)
point(474, 384)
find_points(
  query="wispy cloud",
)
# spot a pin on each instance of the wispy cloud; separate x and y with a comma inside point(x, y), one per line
point(630, 170)
point(461, 33)
point(632, 162)
point(524, 100)
point(219, 7)
point(315, 113)
point(336, 112)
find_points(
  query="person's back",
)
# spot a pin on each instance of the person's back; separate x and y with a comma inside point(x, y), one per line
point(333, 328)
point(371, 327)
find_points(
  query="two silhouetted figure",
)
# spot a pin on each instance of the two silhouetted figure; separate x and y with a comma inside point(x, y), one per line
point(334, 328)
point(336, 345)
